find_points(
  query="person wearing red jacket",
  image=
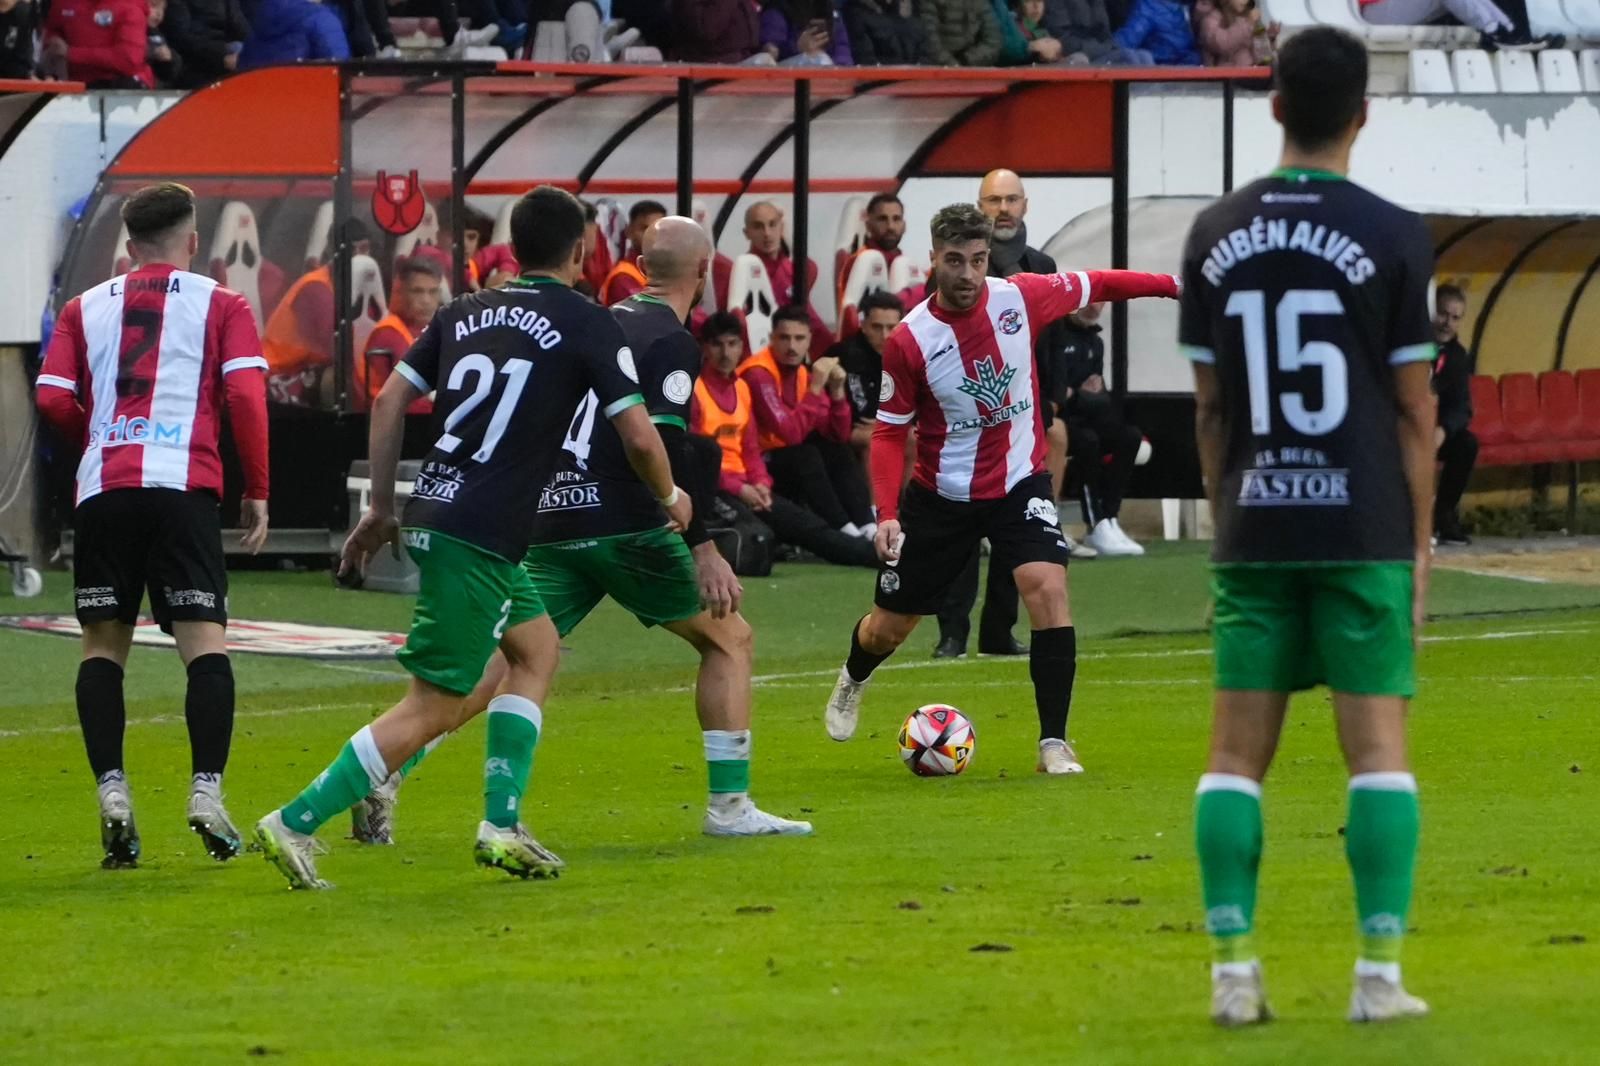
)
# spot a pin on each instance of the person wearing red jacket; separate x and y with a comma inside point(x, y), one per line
point(139, 373)
point(102, 43)
point(763, 226)
point(803, 418)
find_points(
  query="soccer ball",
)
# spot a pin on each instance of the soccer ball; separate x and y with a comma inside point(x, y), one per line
point(937, 740)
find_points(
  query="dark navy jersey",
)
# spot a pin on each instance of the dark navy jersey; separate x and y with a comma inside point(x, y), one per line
point(509, 366)
point(1305, 290)
point(594, 491)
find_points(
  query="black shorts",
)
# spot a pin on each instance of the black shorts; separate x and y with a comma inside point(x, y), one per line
point(128, 541)
point(941, 535)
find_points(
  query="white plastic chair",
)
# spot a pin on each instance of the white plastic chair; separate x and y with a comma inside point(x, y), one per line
point(1516, 73)
point(868, 271)
point(317, 236)
point(1585, 17)
point(907, 273)
point(1430, 72)
point(750, 291)
point(1473, 71)
point(1558, 71)
point(368, 302)
point(235, 258)
point(1589, 69)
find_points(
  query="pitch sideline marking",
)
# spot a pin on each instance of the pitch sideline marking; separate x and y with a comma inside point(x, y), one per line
point(169, 719)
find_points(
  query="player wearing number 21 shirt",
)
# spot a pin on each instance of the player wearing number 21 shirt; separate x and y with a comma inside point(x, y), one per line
point(510, 366)
point(961, 369)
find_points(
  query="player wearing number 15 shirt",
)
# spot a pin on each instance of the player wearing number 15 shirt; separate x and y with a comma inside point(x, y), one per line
point(1305, 313)
point(509, 366)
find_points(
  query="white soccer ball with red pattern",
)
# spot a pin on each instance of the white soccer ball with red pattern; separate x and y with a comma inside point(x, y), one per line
point(937, 741)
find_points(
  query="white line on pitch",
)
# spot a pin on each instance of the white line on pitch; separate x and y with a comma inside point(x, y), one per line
point(170, 719)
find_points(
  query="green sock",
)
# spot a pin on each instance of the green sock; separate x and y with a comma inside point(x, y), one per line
point(1380, 840)
point(349, 777)
point(1227, 830)
point(728, 760)
point(514, 725)
point(427, 749)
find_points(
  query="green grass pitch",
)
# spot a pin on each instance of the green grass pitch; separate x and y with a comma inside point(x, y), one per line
point(660, 946)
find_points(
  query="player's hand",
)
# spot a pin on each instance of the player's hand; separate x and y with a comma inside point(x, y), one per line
point(253, 517)
point(720, 591)
point(375, 529)
point(889, 540)
point(1093, 383)
point(1419, 594)
point(681, 510)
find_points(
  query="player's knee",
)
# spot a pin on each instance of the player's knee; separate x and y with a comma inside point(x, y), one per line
point(886, 629)
point(730, 635)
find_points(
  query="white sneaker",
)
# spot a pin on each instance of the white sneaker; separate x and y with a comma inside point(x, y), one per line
point(1057, 757)
point(1239, 998)
point(748, 820)
point(390, 51)
point(372, 817)
point(294, 854)
point(210, 820)
point(1377, 999)
point(1133, 546)
point(844, 706)
point(516, 852)
point(1079, 551)
point(466, 38)
point(1104, 539)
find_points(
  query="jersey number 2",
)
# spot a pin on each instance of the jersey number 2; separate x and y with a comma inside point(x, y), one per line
point(481, 367)
point(1251, 308)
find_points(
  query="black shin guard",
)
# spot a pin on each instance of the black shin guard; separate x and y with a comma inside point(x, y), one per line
point(1053, 665)
point(208, 709)
point(101, 713)
point(862, 662)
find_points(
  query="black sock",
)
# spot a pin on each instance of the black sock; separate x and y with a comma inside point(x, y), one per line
point(862, 662)
point(1053, 664)
point(101, 713)
point(208, 708)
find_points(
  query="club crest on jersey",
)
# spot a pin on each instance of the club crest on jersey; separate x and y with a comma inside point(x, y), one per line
point(1041, 509)
point(989, 387)
point(886, 390)
point(677, 387)
point(1010, 321)
point(889, 582)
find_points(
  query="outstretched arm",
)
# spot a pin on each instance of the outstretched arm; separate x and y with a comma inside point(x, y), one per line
point(1054, 296)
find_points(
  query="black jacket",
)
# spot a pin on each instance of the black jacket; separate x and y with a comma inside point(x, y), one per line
point(1077, 353)
point(881, 36)
point(199, 32)
point(1080, 26)
point(16, 41)
point(1452, 383)
point(863, 370)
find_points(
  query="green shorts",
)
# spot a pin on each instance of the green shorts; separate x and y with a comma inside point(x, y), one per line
point(467, 600)
point(1286, 628)
point(651, 574)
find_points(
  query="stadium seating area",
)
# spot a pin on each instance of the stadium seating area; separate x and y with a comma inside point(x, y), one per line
point(1521, 419)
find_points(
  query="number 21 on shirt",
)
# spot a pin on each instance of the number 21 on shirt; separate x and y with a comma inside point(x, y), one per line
point(1250, 306)
point(482, 370)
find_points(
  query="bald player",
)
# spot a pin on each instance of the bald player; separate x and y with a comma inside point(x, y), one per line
point(600, 532)
point(764, 226)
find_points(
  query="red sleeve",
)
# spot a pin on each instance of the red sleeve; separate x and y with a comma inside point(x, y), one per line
point(789, 424)
point(721, 272)
point(1049, 297)
point(313, 313)
point(902, 378)
point(887, 458)
point(60, 378)
point(839, 420)
point(126, 55)
point(244, 381)
point(755, 464)
point(376, 371)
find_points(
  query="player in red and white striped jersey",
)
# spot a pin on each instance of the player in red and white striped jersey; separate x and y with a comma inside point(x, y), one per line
point(961, 368)
point(138, 373)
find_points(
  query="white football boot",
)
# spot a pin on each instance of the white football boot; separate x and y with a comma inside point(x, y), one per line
point(119, 837)
point(294, 854)
point(1375, 998)
point(1238, 998)
point(372, 817)
point(1057, 757)
point(516, 852)
point(844, 706)
point(209, 819)
point(745, 819)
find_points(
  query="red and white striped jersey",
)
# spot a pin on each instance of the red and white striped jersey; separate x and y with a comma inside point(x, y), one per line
point(968, 381)
point(140, 368)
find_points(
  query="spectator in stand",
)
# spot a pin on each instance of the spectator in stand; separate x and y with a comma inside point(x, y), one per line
point(1084, 28)
point(17, 21)
point(102, 43)
point(207, 36)
point(298, 340)
point(1231, 34)
point(418, 292)
point(803, 420)
point(1160, 27)
point(962, 33)
point(718, 31)
point(627, 277)
point(805, 33)
point(763, 227)
point(885, 220)
point(722, 409)
point(1103, 446)
point(886, 33)
point(292, 31)
point(1504, 23)
point(1023, 36)
point(1458, 447)
point(861, 356)
point(164, 63)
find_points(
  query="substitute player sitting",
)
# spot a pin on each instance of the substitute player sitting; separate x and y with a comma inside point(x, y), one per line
point(600, 532)
point(1305, 311)
point(961, 369)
